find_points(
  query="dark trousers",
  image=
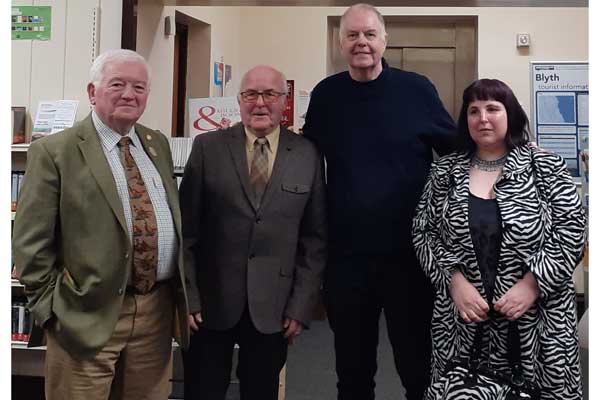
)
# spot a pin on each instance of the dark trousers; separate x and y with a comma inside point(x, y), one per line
point(207, 362)
point(357, 289)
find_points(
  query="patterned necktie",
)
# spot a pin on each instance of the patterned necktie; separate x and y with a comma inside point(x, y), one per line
point(259, 170)
point(145, 230)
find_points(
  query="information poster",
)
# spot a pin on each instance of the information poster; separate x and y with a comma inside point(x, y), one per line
point(302, 102)
point(287, 119)
point(28, 22)
point(560, 95)
point(54, 116)
point(218, 73)
point(212, 113)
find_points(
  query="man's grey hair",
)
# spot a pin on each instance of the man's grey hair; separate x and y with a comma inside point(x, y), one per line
point(115, 56)
point(284, 87)
point(364, 7)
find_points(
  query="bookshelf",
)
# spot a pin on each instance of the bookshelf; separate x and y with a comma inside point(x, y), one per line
point(26, 361)
point(27, 366)
point(20, 148)
point(15, 284)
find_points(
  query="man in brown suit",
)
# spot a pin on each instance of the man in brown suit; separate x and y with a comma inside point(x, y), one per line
point(253, 202)
point(97, 245)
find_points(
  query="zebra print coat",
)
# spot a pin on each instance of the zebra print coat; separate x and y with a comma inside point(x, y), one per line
point(543, 231)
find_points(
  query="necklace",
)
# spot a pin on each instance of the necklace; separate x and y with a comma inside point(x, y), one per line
point(488, 166)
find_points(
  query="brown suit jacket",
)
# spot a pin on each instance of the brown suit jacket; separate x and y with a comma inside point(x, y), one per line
point(70, 239)
point(270, 258)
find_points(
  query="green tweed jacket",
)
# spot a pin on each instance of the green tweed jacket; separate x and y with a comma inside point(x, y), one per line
point(70, 239)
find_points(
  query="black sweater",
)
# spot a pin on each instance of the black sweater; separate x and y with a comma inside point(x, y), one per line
point(377, 138)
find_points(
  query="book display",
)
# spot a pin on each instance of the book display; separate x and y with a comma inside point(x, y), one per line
point(18, 115)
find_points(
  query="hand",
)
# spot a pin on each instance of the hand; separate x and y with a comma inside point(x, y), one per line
point(292, 329)
point(194, 320)
point(471, 306)
point(519, 298)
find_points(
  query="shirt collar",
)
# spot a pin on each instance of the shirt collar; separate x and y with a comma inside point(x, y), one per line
point(109, 137)
point(272, 139)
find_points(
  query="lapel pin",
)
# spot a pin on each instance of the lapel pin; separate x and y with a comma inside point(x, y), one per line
point(149, 137)
point(152, 151)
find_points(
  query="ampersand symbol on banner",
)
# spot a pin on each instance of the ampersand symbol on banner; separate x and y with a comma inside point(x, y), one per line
point(205, 116)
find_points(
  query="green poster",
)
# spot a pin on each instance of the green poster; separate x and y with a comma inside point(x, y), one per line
point(29, 22)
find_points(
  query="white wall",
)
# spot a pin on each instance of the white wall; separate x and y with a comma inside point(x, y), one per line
point(157, 48)
point(559, 34)
point(293, 39)
point(58, 69)
point(228, 39)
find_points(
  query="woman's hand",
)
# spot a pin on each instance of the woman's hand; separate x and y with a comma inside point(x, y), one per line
point(472, 307)
point(519, 298)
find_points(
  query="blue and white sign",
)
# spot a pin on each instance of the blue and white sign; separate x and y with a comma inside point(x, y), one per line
point(559, 107)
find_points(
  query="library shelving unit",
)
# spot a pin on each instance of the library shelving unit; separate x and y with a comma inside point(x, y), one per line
point(27, 363)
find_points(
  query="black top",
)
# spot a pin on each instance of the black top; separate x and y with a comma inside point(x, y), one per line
point(377, 138)
point(485, 225)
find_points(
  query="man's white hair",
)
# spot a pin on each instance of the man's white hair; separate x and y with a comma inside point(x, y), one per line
point(115, 56)
point(363, 7)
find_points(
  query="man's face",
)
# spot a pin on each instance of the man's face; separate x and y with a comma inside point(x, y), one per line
point(262, 113)
point(120, 97)
point(362, 41)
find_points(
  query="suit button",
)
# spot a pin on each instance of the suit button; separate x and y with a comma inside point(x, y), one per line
point(251, 256)
point(126, 255)
point(120, 291)
point(258, 220)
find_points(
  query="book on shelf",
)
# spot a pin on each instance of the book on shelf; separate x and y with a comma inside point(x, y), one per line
point(16, 184)
point(21, 322)
point(18, 115)
point(14, 191)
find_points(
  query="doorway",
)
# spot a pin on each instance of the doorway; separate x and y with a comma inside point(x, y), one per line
point(191, 68)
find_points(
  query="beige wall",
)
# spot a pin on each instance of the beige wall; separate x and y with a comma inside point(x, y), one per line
point(292, 39)
point(227, 40)
point(58, 68)
point(157, 48)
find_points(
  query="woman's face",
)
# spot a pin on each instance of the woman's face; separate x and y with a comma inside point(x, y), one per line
point(488, 123)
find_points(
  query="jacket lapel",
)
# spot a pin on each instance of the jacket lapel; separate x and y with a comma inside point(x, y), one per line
point(92, 152)
point(237, 147)
point(281, 161)
point(460, 177)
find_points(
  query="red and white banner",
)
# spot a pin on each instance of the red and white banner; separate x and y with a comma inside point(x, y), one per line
point(212, 113)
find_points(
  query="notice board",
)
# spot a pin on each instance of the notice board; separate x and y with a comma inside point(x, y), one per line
point(559, 108)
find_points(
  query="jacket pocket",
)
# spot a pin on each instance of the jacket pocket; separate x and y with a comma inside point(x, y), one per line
point(295, 188)
point(294, 197)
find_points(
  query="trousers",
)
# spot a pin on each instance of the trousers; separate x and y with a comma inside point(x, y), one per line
point(356, 291)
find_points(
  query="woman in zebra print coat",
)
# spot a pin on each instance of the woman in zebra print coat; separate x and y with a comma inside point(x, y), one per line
point(500, 225)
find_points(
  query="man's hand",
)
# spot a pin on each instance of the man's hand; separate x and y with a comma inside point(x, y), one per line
point(519, 298)
point(471, 306)
point(194, 320)
point(292, 328)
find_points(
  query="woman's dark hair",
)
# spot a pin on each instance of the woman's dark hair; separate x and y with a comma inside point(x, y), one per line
point(493, 89)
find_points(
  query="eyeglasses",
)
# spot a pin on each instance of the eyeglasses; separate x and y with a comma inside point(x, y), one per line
point(269, 96)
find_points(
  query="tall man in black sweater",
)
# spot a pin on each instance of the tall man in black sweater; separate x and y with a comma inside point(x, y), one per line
point(376, 127)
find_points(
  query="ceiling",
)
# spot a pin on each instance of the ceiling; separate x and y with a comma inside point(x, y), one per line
point(383, 3)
